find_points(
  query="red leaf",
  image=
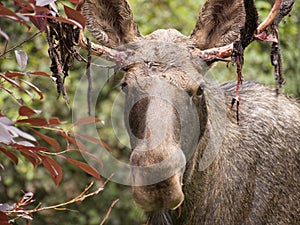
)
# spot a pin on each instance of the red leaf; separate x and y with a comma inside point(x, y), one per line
point(14, 83)
point(31, 157)
point(74, 141)
point(95, 140)
point(53, 167)
point(35, 88)
point(4, 219)
point(54, 121)
point(34, 121)
point(30, 148)
point(10, 155)
point(11, 74)
point(7, 13)
point(75, 15)
point(49, 140)
point(86, 120)
point(39, 73)
point(26, 111)
point(85, 167)
point(61, 19)
point(75, 1)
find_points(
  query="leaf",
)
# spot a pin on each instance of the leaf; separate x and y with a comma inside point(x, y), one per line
point(26, 111)
point(11, 74)
point(74, 141)
point(10, 155)
point(31, 148)
point(19, 133)
point(31, 157)
point(22, 58)
point(38, 121)
point(53, 167)
point(95, 140)
point(7, 13)
point(4, 219)
point(54, 121)
point(86, 120)
point(3, 34)
point(49, 140)
point(14, 83)
point(35, 88)
point(83, 166)
point(6, 207)
point(40, 73)
point(61, 19)
point(5, 136)
point(44, 2)
point(75, 15)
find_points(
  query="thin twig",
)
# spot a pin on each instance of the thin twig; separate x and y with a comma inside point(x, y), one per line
point(20, 44)
point(18, 209)
point(108, 211)
point(89, 79)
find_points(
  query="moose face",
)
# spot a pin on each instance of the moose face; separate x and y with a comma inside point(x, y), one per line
point(163, 84)
point(159, 88)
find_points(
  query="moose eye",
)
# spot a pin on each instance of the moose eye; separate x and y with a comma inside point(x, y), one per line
point(200, 91)
point(124, 87)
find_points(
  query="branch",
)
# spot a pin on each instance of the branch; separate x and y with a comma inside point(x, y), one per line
point(20, 44)
point(19, 211)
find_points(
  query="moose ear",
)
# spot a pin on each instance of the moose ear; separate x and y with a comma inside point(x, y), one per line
point(219, 23)
point(110, 22)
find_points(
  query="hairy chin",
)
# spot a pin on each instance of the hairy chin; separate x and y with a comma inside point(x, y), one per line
point(162, 217)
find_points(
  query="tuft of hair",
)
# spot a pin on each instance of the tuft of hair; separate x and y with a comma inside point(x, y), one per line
point(162, 217)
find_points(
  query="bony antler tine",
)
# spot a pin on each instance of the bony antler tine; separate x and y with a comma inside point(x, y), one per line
point(100, 50)
point(270, 18)
point(216, 54)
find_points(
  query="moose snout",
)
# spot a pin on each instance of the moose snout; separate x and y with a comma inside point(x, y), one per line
point(166, 194)
point(157, 178)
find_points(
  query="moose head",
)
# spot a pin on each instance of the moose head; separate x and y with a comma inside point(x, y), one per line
point(163, 84)
point(172, 112)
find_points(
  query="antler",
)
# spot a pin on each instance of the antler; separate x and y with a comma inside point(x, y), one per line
point(101, 50)
point(279, 10)
point(235, 50)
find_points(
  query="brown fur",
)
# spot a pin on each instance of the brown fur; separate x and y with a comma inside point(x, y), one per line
point(255, 177)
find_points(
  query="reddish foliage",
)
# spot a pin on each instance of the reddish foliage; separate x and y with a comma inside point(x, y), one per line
point(73, 140)
point(86, 120)
point(49, 140)
point(4, 219)
point(26, 111)
point(38, 121)
point(95, 140)
point(85, 167)
point(53, 167)
point(54, 121)
point(10, 155)
point(31, 157)
point(75, 15)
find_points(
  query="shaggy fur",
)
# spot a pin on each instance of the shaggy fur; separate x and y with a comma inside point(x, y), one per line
point(255, 175)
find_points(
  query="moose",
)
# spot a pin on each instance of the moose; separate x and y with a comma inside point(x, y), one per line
point(199, 165)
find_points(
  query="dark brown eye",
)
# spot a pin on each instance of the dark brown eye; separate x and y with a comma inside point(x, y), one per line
point(200, 91)
point(124, 87)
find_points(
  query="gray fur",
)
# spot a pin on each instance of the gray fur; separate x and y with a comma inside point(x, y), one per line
point(255, 175)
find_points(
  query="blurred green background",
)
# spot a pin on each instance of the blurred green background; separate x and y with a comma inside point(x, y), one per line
point(150, 15)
